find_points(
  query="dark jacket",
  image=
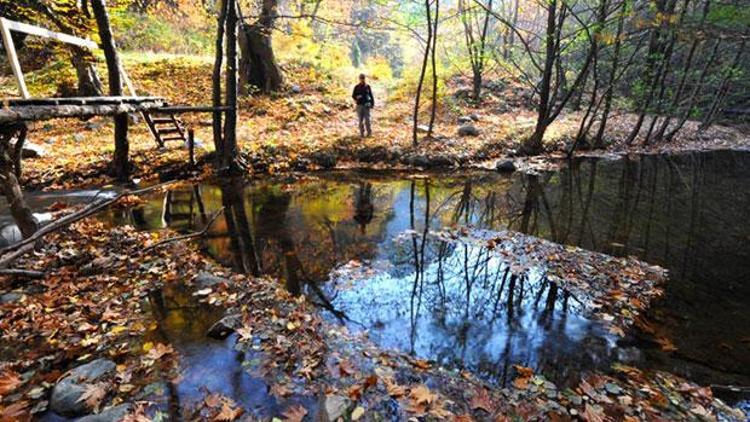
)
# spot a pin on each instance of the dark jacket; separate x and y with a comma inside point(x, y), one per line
point(363, 95)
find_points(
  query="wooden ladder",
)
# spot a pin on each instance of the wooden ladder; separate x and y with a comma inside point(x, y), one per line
point(165, 127)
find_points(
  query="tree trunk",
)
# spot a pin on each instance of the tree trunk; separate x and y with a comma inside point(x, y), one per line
point(433, 111)
point(20, 211)
point(229, 154)
point(428, 45)
point(216, 85)
point(258, 66)
point(476, 86)
point(89, 84)
point(121, 163)
point(599, 138)
point(534, 145)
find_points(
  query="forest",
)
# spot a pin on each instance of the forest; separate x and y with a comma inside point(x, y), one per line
point(318, 210)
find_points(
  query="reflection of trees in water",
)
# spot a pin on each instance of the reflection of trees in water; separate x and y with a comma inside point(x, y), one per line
point(182, 322)
point(684, 212)
point(238, 227)
point(471, 294)
point(363, 205)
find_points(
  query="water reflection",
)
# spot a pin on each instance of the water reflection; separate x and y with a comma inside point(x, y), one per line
point(687, 213)
point(206, 365)
point(461, 305)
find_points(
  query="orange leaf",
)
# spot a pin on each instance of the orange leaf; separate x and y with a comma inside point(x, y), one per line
point(9, 381)
point(228, 413)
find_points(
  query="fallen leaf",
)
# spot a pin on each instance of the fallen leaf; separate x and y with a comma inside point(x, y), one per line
point(357, 413)
point(294, 413)
point(481, 400)
point(9, 381)
point(93, 395)
point(228, 412)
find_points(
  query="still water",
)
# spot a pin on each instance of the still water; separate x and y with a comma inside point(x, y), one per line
point(688, 213)
point(358, 243)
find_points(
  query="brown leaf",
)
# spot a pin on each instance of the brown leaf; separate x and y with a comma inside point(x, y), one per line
point(15, 412)
point(394, 390)
point(93, 395)
point(229, 413)
point(524, 374)
point(294, 413)
point(280, 390)
point(422, 395)
point(354, 392)
point(213, 400)
point(421, 364)
point(158, 351)
point(593, 413)
point(9, 381)
point(481, 400)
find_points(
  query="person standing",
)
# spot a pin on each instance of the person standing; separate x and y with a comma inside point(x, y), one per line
point(364, 99)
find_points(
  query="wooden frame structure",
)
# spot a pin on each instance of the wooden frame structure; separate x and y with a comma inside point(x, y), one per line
point(7, 25)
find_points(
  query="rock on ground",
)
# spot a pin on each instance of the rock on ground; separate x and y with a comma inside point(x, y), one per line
point(32, 150)
point(113, 414)
point(325, 159)
point(66, 396)
point(205, 279)
point(468, 130)
point(224, 327)
point(10, 297)
point(505, 166)
point(464, 119)
point(332, 408)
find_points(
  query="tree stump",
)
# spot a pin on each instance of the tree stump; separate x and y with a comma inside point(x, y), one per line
point(10, 170)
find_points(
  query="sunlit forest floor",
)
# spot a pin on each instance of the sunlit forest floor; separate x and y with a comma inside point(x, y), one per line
point(312, 125)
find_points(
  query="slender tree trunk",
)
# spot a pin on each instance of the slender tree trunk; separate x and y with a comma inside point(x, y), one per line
point(653, 59)
point(683, 80)
point(121, 162)
point(428, 45)
point(664, 71)
point(229, 156)
point(433, 112)
point(697, 87)
point(599, 139)
point(534, 144)
point(216, 86)
point(722, 91)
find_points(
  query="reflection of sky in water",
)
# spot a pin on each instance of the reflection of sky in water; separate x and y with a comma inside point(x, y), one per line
point(467, 310)
point(206, 365)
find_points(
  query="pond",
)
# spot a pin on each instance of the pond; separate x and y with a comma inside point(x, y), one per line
point(359, 244)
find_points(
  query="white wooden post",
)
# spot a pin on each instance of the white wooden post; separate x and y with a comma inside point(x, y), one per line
point(10, 51)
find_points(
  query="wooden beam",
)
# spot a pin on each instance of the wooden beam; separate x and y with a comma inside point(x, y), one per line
point(188, 109)
point(46, 112)
point(35, 30)
point(10, 51)
point(105, 100)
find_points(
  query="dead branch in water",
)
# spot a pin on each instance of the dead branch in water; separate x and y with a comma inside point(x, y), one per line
point(12, 252)
point(186, 236)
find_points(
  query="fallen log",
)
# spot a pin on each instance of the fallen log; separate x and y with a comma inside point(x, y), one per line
point(28, 113)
